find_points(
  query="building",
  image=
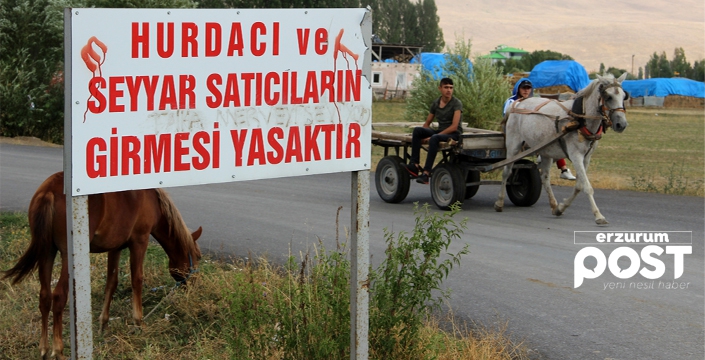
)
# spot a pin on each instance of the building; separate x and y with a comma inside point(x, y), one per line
point(504, 52)
point(392, 70)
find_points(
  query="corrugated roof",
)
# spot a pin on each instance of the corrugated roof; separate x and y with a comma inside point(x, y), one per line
point(494, 55)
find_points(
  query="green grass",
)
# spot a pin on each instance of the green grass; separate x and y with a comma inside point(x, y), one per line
point(389, 111)
point(662, 150)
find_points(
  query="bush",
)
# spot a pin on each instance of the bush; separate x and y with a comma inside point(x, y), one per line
point(407, 285)
point(482, 88)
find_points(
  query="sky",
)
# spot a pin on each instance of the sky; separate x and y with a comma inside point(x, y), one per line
point(591, 31)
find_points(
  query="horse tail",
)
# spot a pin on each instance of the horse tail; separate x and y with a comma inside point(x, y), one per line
point(41, 216)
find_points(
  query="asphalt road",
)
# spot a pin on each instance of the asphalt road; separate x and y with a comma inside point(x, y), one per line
point(520, 271)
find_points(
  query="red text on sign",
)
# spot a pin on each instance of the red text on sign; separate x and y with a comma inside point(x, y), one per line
point(248, 89)
point(296, 144)
point(163, 153)
point(320, 38)
point(209, 39)
point(167, 91)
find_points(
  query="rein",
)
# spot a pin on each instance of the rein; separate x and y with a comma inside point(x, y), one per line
point(178, 283)
point(191, 271)
point(604, 111)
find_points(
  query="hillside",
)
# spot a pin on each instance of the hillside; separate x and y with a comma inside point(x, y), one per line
point(591, 31)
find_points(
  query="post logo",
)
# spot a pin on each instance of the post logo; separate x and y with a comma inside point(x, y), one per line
point(662, 254)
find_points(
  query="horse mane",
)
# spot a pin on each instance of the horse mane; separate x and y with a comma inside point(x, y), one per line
point(176, 224)
point(586, 91)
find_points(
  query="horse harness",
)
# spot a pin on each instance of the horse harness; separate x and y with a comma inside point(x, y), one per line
point(577, 116)
point(578, 112)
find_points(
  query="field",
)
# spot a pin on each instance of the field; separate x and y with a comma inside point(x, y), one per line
point(662, 150)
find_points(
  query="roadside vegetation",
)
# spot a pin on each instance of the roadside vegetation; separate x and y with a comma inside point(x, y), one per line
point(253, 309)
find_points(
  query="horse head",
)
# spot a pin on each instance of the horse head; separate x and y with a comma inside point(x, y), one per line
point(183, 264)
point(612, 98)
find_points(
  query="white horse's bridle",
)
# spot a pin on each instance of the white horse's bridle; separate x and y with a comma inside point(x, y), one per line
point(607, 118)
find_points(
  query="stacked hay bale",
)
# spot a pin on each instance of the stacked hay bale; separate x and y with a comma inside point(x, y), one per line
point(678, 101)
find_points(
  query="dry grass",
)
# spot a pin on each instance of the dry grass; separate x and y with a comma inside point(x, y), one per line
point(484, 343)
point(662, 150)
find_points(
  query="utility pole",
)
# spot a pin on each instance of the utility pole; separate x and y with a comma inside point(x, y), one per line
point(633, 66)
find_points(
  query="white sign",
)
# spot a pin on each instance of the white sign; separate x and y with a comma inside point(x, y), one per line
point(164, 97)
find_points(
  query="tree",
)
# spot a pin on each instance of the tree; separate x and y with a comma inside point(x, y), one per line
point(31, 34)
point(664, 67)
point(698, 72)
point(618, 72)
point(393, 31)
point(602, 68)
point(432, 35)
point(679, 65)
point(641, 73)
point(511, 66)
point(411, 19)
point(407, 22)
point(652, 66)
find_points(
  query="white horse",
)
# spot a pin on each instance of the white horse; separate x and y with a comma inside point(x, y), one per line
point(534, 120)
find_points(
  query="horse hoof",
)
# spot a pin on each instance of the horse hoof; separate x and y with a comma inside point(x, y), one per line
point(602, 221)
point(498, 208)
point(557, 212)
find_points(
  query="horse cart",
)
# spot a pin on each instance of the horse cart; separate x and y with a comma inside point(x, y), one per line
point(553, 129)
point(457, 176)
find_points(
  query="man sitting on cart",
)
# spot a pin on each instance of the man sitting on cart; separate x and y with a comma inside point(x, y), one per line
point(447, 110)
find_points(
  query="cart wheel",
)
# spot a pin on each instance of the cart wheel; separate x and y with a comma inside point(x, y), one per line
point(447, 185)
point(392, 179)
point(524, 185)
point(473, 176)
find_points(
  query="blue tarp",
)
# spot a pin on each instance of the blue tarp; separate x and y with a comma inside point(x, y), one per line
point(664, 87)
point(559, 72)
point(434, 62)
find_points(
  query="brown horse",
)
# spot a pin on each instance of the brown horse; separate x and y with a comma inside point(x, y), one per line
point(117, 221)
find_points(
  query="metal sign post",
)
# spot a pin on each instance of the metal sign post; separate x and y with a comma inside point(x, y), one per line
point(360, 238)
point(360, 264)
point(77, 238)
point(79, 278)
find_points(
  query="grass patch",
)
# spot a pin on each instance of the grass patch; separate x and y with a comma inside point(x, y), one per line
point(258, 310)
point(389, 111)
point(662, 150)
